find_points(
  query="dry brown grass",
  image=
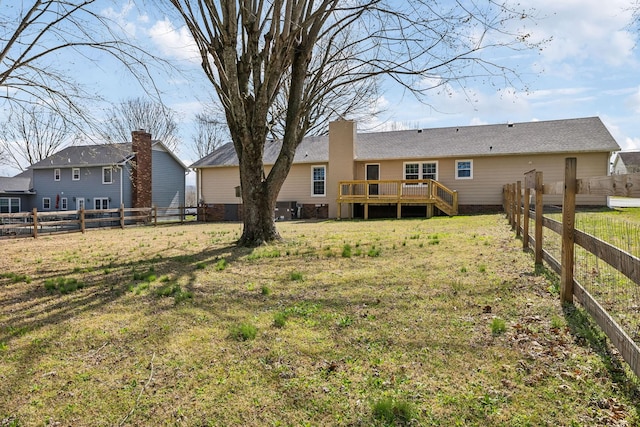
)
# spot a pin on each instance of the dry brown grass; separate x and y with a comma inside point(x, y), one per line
point(378, 312)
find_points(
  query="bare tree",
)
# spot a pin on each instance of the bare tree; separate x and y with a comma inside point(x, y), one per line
point(35, 32)
point(252, 51)
point(211, 132)
point(139, 113)
point(30, 135)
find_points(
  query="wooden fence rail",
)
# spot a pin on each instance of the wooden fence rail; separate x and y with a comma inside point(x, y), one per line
point(31, 224)
point(570, 288)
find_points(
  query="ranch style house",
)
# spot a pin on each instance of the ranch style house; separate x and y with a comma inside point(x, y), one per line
point(411, 172)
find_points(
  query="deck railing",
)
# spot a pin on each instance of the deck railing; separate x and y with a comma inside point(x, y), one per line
point(416, 192)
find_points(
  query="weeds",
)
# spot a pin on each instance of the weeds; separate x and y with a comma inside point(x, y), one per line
point(63, 285)
point(296, 276)
point(221, 264)
point(346, 251)
point(393, 412)
point(147, 276)
point(498, 326)
point(243, 332)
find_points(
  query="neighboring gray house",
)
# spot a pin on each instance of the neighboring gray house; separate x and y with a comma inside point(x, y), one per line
point(16, 193)
point(626, 162)
point(142, 173)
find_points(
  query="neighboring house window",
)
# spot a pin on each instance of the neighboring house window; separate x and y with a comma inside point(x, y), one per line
point(101, 203)
point(56, 174)
point(9, 205)
point(318, 180)
point(464, 169)
point(63, 204)
point(46, 203)
point(426, 170)
point(75, 174)
point(107, 177)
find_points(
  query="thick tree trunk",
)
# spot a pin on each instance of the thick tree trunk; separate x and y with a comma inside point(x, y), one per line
point(259, 224)
point(258, 201)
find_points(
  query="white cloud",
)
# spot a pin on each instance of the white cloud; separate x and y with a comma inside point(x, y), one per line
point(173, 42)
point(120, 17)
point(633, 101)
point(584, 30)
point(631, 144)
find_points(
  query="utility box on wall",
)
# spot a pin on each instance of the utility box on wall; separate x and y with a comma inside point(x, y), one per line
point(286, 211)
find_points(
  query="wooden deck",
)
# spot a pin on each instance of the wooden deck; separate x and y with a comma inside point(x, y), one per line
point(425, 192)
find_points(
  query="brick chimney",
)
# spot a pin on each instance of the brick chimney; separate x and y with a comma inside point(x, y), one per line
point(141, 174)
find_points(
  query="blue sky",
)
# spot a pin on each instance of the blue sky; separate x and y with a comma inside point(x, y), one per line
point(589, 68)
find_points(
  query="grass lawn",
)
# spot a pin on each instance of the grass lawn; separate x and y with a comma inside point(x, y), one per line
point(380, 323)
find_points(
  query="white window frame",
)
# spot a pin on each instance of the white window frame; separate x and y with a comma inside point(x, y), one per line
point(101, 201)
point(46, 203)
point(79, 203)
point(110, 169)
point(420, 173)
point(10, 204)
point(56, 174)
point(324, 181)
point(470, 161)
point(64, 205)
point(75, 174)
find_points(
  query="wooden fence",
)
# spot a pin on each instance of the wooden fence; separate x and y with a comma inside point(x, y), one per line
point(517, 198)
point(34, 223)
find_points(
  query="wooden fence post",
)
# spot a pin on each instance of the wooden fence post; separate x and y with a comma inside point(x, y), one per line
point(82, 222)
point(568, 232)
point(538, 232)
point(122, 215)
point(35, 222)
point(525, 225)
point(518, 203)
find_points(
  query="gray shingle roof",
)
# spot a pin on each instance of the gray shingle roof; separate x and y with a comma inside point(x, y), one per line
point(86, 155)
point(630, 158)
point(556, 136)
point(15, 185)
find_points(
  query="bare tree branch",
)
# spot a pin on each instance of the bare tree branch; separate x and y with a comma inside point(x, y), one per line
point(33, 35)
point(31, 135)
point(211, 132)
point(139, 113)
